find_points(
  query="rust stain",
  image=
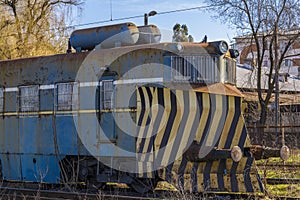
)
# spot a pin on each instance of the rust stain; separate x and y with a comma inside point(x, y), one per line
point(220, 88)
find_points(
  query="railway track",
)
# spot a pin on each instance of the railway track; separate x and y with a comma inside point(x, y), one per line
point(42, 193)
point(28, 194)
point(285, 167)
point(281, 166)
point(275, 181)
point(24, 193)
point(272, 165)
point(7, 193)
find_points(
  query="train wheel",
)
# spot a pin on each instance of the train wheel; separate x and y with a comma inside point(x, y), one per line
point(143, 185)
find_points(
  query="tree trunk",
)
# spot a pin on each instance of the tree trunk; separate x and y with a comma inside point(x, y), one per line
point(261, 124)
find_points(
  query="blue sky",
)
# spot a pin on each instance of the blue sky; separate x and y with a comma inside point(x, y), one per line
point(199, 22)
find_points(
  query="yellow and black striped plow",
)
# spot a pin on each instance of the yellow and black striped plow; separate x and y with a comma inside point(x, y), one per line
point(170, 121)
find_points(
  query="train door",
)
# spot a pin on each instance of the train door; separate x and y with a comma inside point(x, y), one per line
point(106, 109)
point(9, 136)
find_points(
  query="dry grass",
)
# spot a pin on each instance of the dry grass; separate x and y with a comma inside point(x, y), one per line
point(163, 185)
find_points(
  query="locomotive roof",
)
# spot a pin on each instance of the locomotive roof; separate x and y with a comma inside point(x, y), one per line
point(193, 48)
point(54, 56)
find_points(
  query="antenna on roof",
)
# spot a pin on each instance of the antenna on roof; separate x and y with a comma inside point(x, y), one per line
point(230, 40)
point(111, 15)
point(204, 40)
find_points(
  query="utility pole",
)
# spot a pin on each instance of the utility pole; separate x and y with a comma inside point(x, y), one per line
point(277, 109)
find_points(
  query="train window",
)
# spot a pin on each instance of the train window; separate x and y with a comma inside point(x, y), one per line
point(1, 100)
point(29, 98)
point(195, 69)
point(230, 73)
point(67, 96)
point(107, 94)
point(182, 68)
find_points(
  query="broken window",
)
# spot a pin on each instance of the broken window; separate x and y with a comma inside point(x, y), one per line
point(107, 94)
point(29, 98)
point(67, 96)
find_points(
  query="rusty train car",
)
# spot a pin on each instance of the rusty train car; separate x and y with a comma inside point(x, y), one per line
point(127, 108)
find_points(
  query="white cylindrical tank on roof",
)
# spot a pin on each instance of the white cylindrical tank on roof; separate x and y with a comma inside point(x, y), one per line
point(108, 36)
point(149, 34)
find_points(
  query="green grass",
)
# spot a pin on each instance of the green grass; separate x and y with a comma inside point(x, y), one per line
point(293, 159)
point(289, 190)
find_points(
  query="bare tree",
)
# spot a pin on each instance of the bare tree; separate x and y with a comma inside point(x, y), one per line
point(33, 27)
point(270, 28)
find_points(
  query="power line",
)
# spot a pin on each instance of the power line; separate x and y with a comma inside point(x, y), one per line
point(126, 18)
point(138, 16)
point(104, 21)
point(183, 10)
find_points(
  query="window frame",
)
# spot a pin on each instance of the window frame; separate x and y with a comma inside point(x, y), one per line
point(195, 68)
point(230, 71)
point(66, 104)
point(31, 102)
point(2, 91)
point(110, 95)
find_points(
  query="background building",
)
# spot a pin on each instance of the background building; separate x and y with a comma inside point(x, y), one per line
point(248, 54)
point(289, 97)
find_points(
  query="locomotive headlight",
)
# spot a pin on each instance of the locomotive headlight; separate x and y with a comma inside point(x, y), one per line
point(236, 154)
point(223, 47)
point(284, 152)
point(179, 47)
point(176, 47)
point(234, 53)
point(220, 46)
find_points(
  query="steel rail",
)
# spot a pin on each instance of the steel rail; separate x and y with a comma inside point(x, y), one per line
point(50, 194)
point(276, 181)
point(280, 165)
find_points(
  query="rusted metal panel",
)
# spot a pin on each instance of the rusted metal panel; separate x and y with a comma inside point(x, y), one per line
point(10, 100)
point(12, 137)
point(126, 132)
point(40, 70)
point(36, 135)
point(220, 88)
point(65, 131)
point(10, 148)
point(46, 100)
point(39, 168)
point(149, 34)
point(11, 166)
point(2, 135)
